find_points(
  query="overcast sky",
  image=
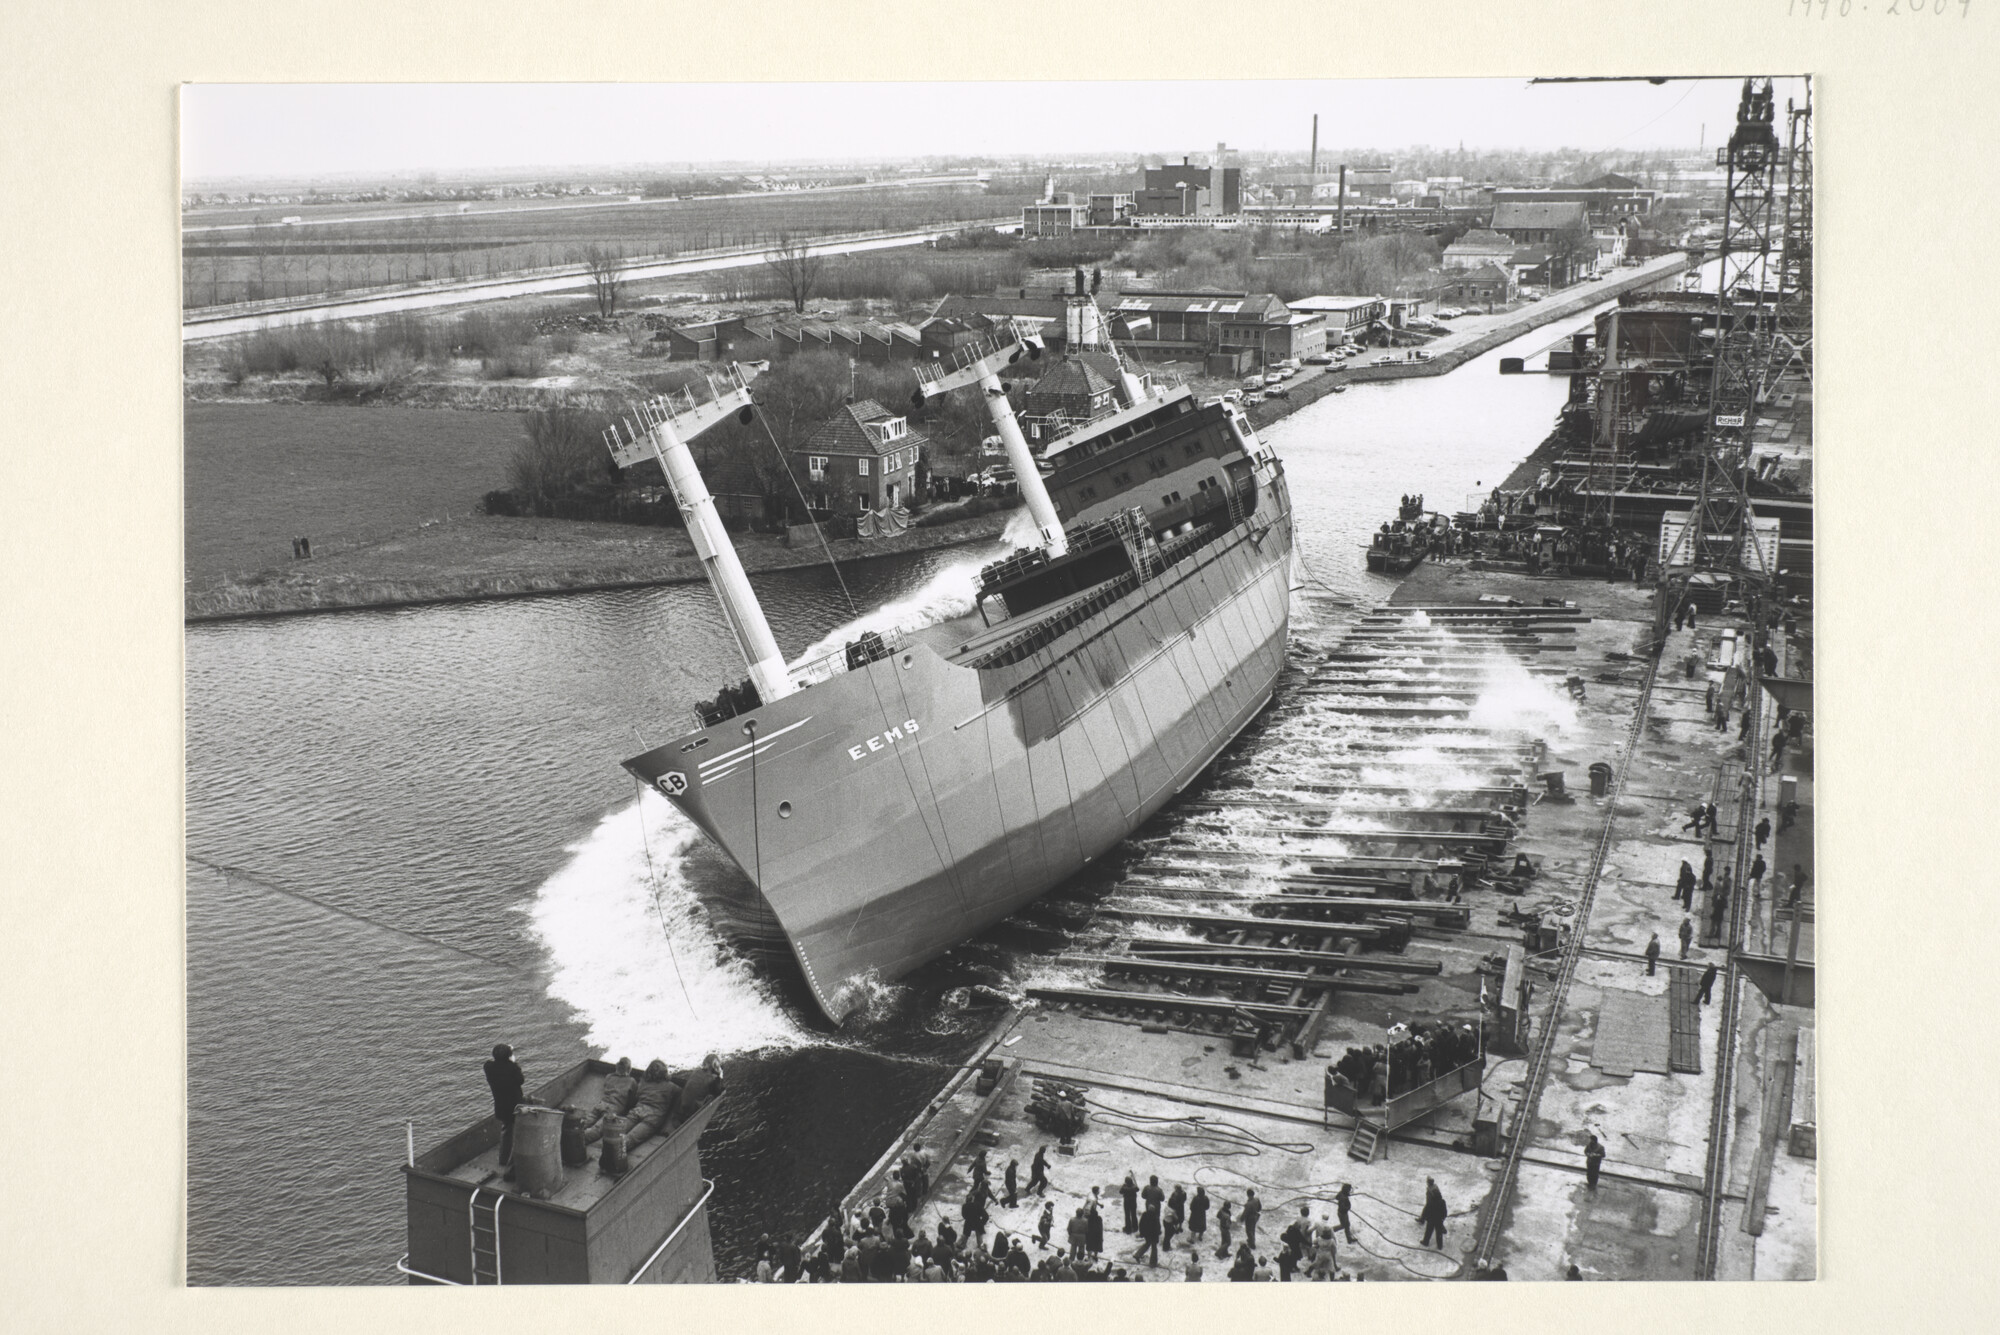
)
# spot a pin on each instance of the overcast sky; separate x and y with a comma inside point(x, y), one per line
point(312, 129)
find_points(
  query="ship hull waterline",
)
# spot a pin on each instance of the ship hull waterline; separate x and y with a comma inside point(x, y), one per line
point(900, 808)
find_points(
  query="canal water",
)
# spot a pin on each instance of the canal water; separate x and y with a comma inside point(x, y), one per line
point(408, 838)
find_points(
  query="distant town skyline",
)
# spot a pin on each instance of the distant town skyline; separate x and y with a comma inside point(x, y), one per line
point(308, 130)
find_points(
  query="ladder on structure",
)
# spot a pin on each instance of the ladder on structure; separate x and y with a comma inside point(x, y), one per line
point(1366, 1142)
point(485, 1238)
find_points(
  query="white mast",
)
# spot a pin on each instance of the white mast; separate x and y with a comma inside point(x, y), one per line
point(662, 429)
point(981, 364)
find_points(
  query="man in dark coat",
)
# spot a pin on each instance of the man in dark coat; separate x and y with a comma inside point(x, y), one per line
point(1707, 982)
point(1149, 1235)
point(1012, 1181)
point(1684, 888)
point(1434, 1213)
point(1094, 1229)
point(1252, 1208)
point(1763, 830)
point(1130, 1191)
point(1038, 1171)
point(1198, 1215)
point(1593, 1160)
point(504, 1078)
point(1687, 936)
point(1652, 953)
point(1344, 1203)
point(1079, 1233)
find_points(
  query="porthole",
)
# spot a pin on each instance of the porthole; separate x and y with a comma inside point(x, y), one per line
point(784, 811)
point(909, 659)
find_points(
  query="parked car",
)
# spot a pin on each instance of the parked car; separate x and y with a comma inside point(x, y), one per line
point(1275, 378)
point(1320, 360)
point(1278, 392)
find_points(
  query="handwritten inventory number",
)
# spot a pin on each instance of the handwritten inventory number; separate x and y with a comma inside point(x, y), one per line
point(1843, 8)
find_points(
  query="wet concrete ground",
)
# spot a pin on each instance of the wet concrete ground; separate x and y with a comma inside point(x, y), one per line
point(1181, 1106)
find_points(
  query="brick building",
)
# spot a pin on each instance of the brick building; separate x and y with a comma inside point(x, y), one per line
point(862, 458)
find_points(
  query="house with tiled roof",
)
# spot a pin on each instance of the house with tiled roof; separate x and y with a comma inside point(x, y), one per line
point(1532, 223)
point(1478, 248)
point(1488, 285)
point(1073, 387)
point(862, 458)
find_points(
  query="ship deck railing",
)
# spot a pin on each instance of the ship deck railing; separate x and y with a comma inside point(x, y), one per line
point(830, 665)
point(1004, 336)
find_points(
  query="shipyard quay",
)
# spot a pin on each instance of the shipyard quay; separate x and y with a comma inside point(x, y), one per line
point(1227, 715)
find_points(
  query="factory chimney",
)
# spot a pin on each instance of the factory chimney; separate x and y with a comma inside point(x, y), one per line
point(1312, 167)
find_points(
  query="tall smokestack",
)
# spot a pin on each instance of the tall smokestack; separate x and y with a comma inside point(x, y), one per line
point(1340, 208)
point(1312, 168)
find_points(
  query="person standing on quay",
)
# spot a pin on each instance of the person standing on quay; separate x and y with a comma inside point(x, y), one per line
point(1129, 1189)
point(1096, 1237)
point(1198, 1217)
point(1687, 937)
point(1652, 953)
point(1149, 1235)
point(1344, 1203)
point(1434, 1213)
point(1593, 1160)
point(1757, 870)
point(1013, 1181)
point(1707, 982)
point(1224, 1220)
point(505, 1080)
point(1763, 831)
point(1252, 1209)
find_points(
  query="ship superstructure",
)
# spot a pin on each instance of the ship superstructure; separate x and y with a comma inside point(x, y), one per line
point(894, 799)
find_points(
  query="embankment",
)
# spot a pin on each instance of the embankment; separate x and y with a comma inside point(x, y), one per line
point(477, 559)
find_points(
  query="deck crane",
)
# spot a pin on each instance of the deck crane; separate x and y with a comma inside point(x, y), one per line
point(981, 364)
point(659, 429)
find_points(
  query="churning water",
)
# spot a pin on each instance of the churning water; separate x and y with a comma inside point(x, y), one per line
point(409, 838)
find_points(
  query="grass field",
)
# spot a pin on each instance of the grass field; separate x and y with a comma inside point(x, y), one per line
point(277, 261)
point(259, 474)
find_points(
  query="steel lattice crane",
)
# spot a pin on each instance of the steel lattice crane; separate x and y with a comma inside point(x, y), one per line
point(1791, 334)
point(1720, 535)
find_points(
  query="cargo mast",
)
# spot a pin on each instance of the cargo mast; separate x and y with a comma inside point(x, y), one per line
point(980, 364)
point(659, 430)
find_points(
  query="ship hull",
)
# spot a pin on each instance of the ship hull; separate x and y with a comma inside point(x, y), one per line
point(900, 808)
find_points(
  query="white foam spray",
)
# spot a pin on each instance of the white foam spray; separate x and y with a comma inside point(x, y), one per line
point(650, 979)
point(946, 594)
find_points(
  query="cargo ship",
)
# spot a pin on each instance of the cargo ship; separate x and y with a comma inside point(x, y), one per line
point(896, 798)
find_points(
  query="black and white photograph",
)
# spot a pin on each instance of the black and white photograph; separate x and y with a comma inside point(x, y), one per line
point(1180, 681)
